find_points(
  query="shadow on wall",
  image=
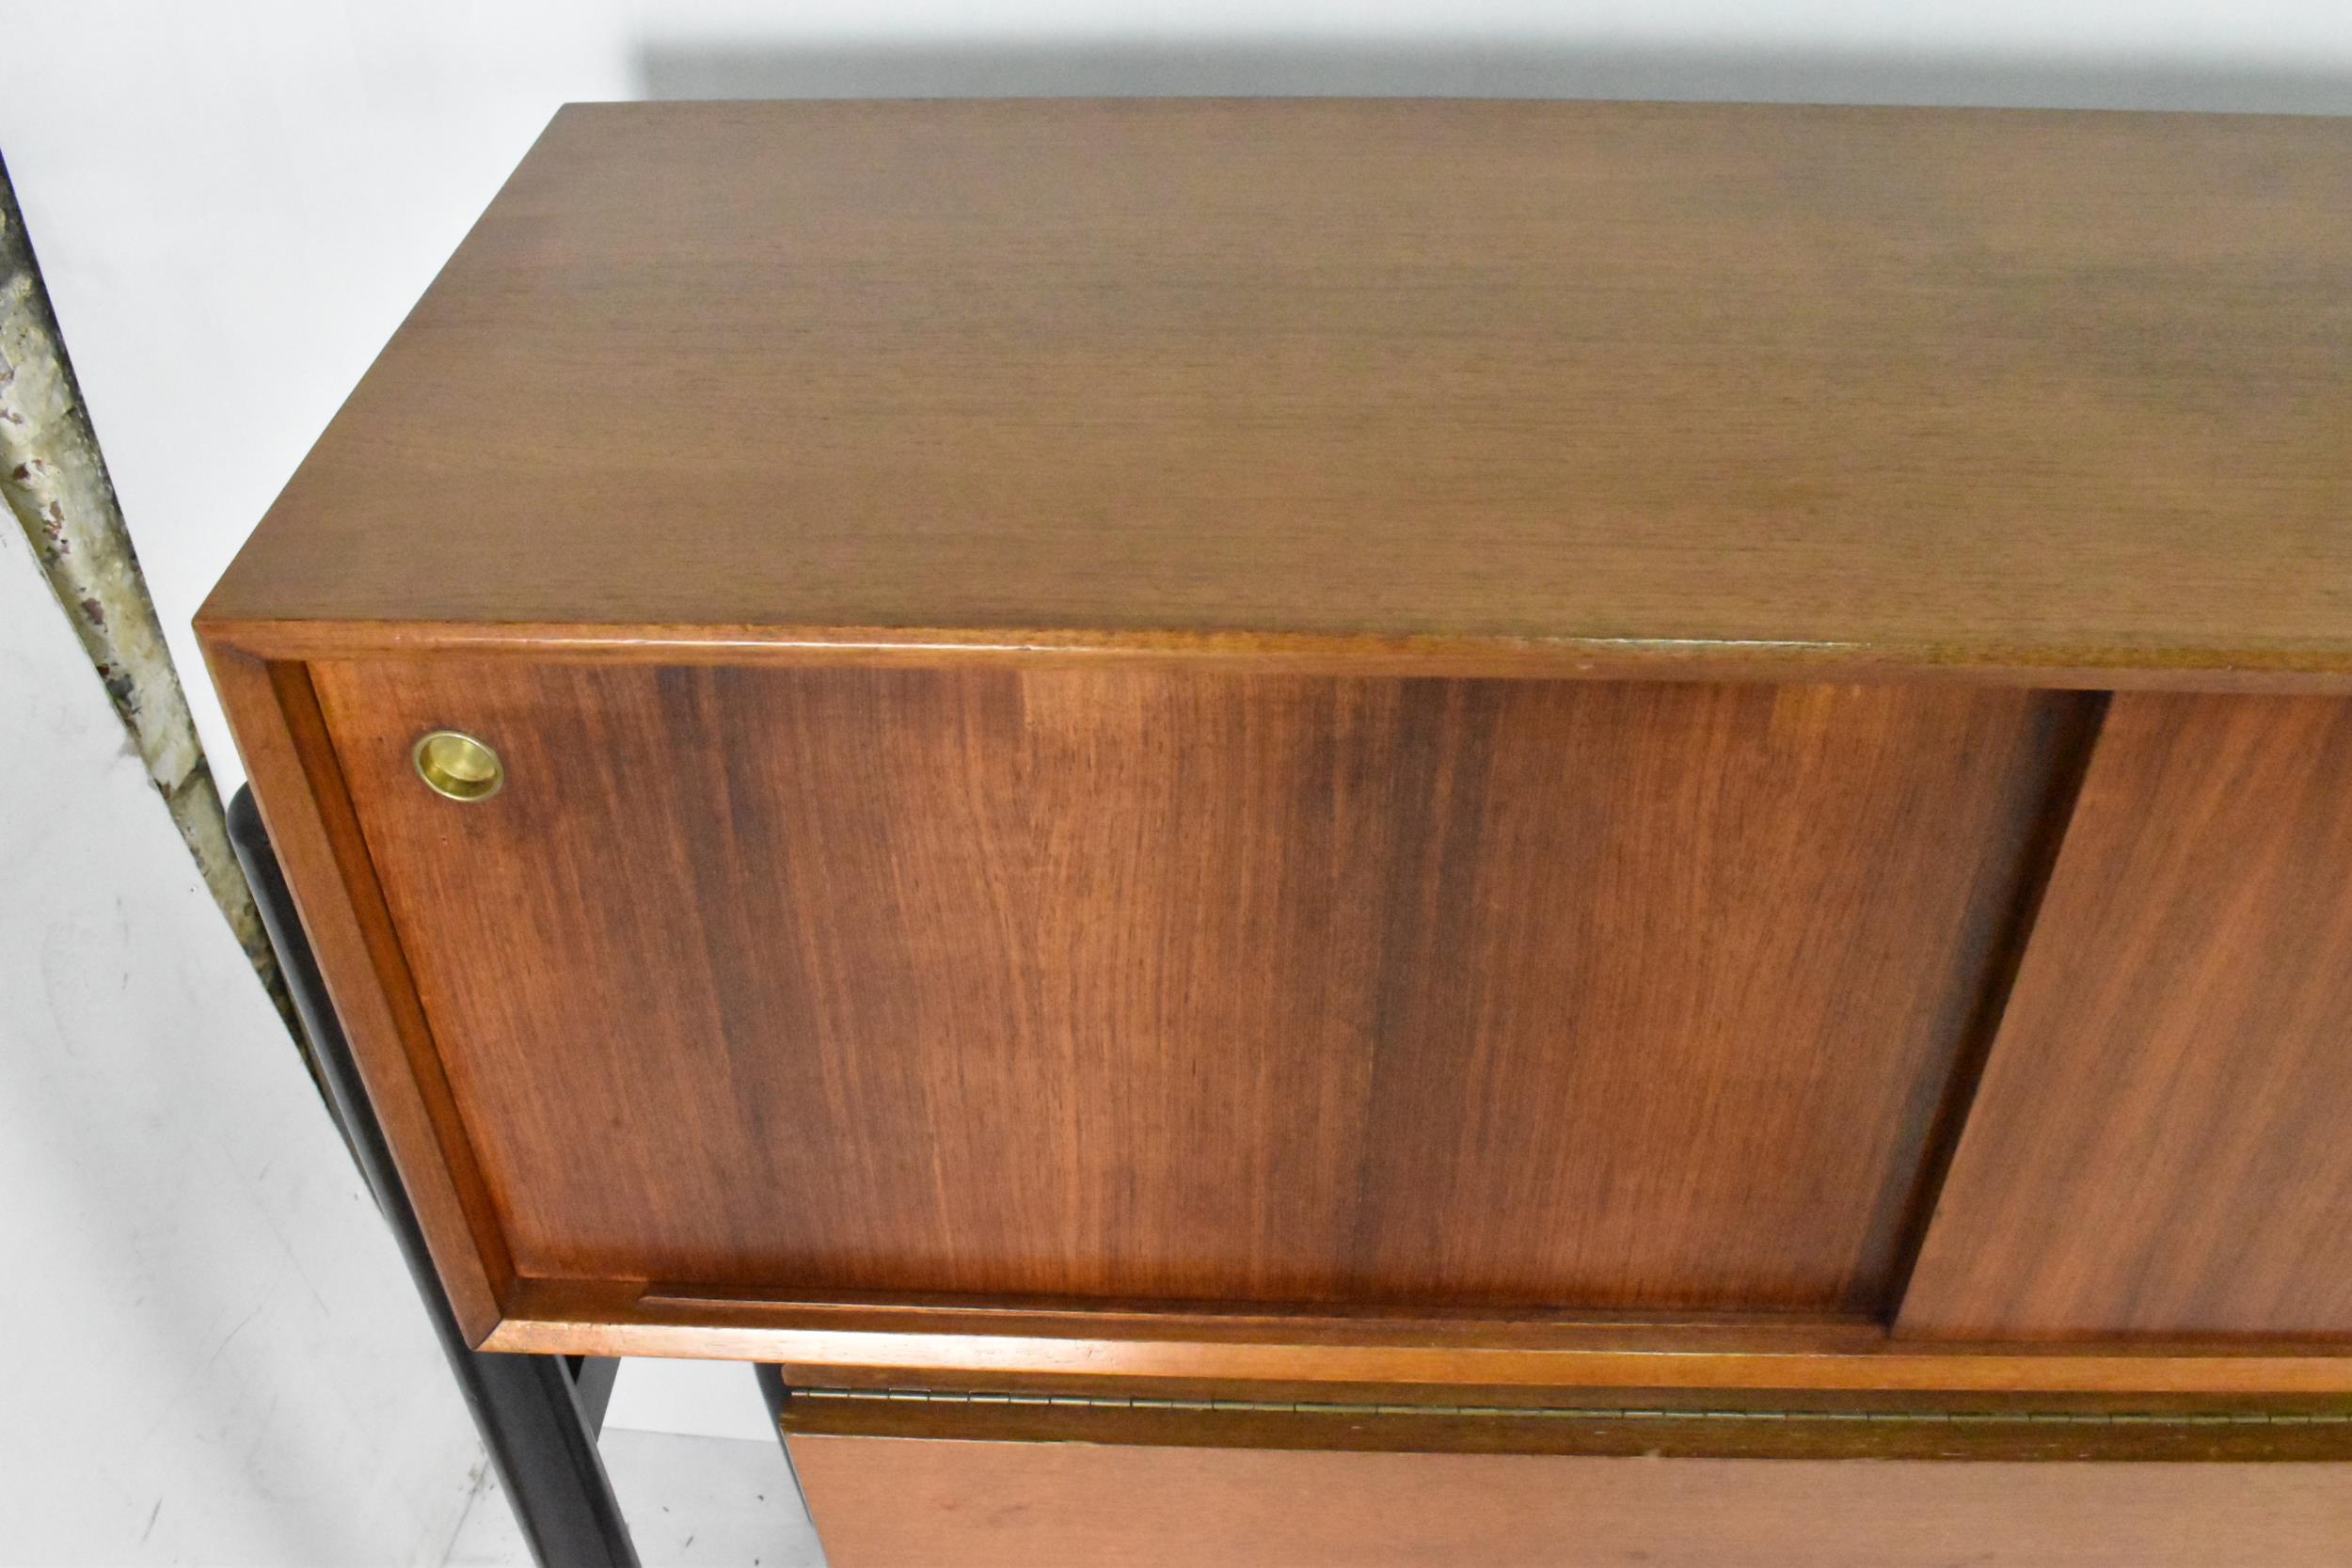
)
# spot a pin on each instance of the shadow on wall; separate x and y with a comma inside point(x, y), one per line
point(1533, 68)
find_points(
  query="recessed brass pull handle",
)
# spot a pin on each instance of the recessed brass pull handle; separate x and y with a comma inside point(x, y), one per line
point(457, 765)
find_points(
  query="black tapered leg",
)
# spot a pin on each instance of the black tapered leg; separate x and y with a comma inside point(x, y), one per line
point(774, 1389)
point(538, 1414)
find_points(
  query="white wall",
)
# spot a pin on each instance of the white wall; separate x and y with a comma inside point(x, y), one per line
point(212, 1353)
point(237, 202)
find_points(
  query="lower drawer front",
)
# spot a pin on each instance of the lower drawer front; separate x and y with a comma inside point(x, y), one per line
point(913, 1482)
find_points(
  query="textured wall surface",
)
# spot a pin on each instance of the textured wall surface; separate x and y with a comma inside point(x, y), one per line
point(215, 1355)
point(54, 479)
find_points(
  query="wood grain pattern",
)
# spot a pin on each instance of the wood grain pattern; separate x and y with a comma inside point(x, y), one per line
point(1453, 384)
point(894, 1502)
point(2158, 1144)
point(1137, 985)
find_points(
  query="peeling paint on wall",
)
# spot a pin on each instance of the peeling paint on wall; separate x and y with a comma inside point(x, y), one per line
point(55, 482)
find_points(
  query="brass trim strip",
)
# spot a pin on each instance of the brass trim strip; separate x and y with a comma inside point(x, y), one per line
point(1595, 1413)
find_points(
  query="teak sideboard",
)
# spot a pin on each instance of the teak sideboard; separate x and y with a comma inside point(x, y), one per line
point(1364, 783)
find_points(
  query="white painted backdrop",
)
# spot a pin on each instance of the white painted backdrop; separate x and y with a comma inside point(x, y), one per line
point(235, 203)
point(211, 1352)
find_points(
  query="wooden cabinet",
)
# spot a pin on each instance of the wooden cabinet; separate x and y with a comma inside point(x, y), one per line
point(1445, 755)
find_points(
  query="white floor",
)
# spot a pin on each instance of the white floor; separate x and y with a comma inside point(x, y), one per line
point(691, 1502)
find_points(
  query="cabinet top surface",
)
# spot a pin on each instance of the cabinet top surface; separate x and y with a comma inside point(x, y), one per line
point(2005, 390)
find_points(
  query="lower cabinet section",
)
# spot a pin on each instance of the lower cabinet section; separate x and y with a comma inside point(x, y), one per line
point(915, 1481)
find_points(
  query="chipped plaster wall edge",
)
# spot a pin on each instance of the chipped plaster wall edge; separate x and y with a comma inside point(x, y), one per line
point(54, 481)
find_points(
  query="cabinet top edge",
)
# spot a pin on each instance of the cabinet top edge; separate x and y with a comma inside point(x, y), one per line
point(1785, 387)
point(2326, 671)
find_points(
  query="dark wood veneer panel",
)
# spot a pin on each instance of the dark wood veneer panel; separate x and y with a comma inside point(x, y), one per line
point(1158, 984)
point(2162, 1143)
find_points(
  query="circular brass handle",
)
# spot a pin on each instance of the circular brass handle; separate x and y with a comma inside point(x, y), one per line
point(457, 765)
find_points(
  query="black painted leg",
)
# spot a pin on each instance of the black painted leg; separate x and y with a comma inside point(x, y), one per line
point(538, 1414)
point(774, 1389)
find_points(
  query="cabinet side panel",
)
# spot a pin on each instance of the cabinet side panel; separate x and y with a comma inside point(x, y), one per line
point(2159, 1145)
point(273, 709)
